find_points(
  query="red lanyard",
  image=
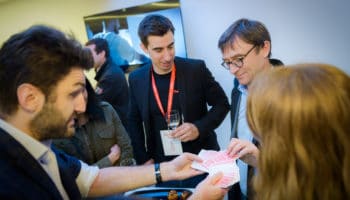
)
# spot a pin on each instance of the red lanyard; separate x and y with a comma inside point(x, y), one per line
point(170, 95)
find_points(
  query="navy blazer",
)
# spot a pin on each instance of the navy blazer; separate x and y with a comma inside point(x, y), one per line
point(22, 177)
point(197, 89)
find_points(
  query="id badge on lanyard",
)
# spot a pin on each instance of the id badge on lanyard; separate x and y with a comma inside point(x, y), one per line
point(171, 146)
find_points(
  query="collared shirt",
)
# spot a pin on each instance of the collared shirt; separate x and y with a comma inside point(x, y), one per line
point(42, 152)
point(244, 133)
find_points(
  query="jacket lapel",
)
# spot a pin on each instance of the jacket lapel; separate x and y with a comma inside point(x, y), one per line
point(25, 162)
point(181, 81)
point(145, 92)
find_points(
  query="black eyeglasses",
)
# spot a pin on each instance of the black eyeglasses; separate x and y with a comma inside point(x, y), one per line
point(238, 62)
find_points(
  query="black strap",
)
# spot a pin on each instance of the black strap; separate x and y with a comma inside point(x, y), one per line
point(157, 173)
point(235, 102)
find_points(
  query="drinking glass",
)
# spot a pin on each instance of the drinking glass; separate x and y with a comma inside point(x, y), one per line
point(173, 119)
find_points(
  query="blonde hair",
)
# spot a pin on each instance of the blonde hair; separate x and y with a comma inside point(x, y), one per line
point(301, 114)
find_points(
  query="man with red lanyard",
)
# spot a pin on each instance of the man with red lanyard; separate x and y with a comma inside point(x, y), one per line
point(171, 83)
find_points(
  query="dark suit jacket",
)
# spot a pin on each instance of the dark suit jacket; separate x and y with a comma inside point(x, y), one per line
point(113, 88)
point(22, 177)
point(235, 191)
point(197, 89)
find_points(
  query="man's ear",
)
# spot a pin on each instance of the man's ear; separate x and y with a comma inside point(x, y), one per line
point(30, 98)
point(103, 52)
point(144, 48)
point(266, 49)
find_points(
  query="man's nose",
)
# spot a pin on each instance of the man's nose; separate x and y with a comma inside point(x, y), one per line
point(80, 104)
point(168, 55)
point(233, 69)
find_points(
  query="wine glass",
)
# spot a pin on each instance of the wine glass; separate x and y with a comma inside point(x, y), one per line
point(173, 119)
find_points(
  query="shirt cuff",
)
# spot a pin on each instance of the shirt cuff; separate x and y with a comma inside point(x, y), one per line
point(86, 177)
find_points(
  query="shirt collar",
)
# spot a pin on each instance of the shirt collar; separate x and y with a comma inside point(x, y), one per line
point(243, 89)
point(34, 147)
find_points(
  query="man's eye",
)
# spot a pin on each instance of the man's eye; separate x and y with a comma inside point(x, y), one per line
point(240, 59)
point(76, 93)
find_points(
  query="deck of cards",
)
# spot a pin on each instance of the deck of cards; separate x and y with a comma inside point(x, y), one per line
point(216, 161)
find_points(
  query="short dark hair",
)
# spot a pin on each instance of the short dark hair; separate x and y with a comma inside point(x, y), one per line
point(41, 56)
point(100, 45)
point(250, 31)
point(157, 25)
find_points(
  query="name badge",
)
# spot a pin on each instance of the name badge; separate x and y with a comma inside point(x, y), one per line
point(171, 146)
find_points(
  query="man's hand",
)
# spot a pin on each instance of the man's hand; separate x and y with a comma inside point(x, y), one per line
point(114, 155)
point(245, 150)
point(207, 189)
point(180, 167)
point(185, 132)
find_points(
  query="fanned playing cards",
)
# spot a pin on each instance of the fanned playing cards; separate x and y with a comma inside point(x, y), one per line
point(216, 161)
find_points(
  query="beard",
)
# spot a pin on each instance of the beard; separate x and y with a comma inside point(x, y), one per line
point(50, 124)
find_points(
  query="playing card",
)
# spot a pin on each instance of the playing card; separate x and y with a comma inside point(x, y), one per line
point(221, 157)
point(230, 171)
point(218, 161)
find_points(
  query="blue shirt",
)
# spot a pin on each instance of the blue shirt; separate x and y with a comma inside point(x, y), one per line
point(244, 133)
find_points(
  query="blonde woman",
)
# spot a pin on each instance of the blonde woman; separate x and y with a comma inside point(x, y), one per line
point(301, 115)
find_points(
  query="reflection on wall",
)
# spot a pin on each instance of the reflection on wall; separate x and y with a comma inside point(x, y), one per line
point(119, 28)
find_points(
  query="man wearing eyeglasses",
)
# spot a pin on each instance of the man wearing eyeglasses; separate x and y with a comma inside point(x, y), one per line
point(246, 51)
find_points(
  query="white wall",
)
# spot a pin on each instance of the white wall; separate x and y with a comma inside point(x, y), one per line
point(301, 31)
point(67, 15)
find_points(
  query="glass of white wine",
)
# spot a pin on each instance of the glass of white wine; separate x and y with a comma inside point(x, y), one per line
point(173, 119)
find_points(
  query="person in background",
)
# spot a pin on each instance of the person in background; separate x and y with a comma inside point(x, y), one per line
point(42, 88)
point(100, 138)
point(300, 115)
point(112, 86)
point(246, 50)
point(172, 83)
point(121, 52)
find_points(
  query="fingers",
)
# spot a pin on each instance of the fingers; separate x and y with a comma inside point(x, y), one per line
point(185, 132)
point(179, 131)
point(192, 157)
point(232, 143)
point(244, 152)
point(239, 148)
point(216, 178)
point(184, 137)
point(234, 147)
point(115, 148)
point(196, 172)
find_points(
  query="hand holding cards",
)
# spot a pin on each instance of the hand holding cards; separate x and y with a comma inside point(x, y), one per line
point(216, 161)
